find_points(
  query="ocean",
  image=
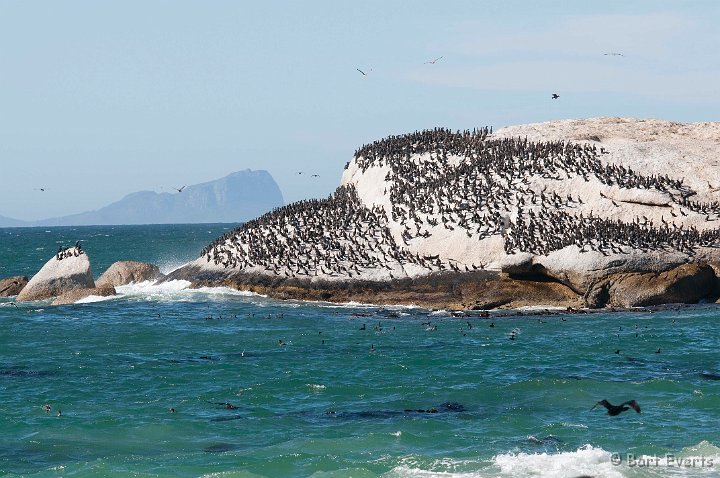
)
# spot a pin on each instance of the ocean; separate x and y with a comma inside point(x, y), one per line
point(269, 388)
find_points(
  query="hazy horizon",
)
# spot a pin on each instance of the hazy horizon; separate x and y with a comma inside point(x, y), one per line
point(101, 100)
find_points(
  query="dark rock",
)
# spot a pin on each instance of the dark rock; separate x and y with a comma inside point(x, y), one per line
point(76, 294)
point(685, 284)
point(12, 285)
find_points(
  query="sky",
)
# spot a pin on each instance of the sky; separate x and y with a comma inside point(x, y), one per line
point(102, 99)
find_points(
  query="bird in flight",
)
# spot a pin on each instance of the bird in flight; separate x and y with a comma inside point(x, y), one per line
point(300, 172)
point(363, 73)
point(612, 53)
point(618, 409)
point(432, 62)
point(40, 189)
point(179, 189)
point(555, 96)
point(315, 176)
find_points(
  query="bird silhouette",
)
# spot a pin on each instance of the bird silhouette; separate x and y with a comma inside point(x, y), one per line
point(432, 62)
point(179, 189)
point(555, 96)
point(618, 409)
point(225, 405)
point(612, 53)
point(363, 73)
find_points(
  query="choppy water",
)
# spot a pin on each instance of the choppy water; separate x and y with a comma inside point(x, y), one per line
point(506, 408)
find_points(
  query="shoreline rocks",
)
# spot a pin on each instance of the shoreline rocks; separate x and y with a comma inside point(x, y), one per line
point(481, 290)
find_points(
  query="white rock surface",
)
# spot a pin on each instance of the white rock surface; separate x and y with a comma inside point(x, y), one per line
point(651, 148)
point(57, 277)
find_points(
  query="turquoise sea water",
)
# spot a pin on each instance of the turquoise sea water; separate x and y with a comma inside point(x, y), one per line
point(335, 408)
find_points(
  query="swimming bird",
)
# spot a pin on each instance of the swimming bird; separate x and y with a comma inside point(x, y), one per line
point(432, 62)
point(226, 405)
point(46, 408)
point(555, 96)
point(618, 409)
point(179, 189)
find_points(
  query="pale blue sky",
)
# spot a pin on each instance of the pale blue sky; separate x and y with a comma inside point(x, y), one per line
point(100, 99)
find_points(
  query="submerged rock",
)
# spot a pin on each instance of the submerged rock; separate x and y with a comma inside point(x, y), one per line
point(12, 285)
point(126, 272)
point(61, 274)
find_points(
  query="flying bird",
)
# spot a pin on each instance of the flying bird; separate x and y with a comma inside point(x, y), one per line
point(315, 176)
point(363, 73)
point(612, 53)
point(179, 189)
point(555, 96)
point(432, 62)
point(618, 409)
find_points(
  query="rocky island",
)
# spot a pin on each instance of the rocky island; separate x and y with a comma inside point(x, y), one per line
point(605, 212)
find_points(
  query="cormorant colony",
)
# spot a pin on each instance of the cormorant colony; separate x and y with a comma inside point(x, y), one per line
point(465, 180)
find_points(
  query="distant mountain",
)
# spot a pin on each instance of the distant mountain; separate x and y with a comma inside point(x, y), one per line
point(237, 197)
point(10, 222)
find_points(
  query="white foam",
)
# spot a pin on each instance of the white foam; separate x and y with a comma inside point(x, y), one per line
point(94, 298)
point(177, 290)
point(541, 307)
point(587, 460)
point(315, 387)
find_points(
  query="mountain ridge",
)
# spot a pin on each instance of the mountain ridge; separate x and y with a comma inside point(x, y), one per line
point(237, 197)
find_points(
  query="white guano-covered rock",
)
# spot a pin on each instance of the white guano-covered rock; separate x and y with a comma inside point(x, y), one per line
point(58, 277)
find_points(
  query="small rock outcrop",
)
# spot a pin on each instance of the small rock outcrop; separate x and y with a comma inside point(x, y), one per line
point(75, 295)
point(66, 271)
point(126, 272)
point(12, 285)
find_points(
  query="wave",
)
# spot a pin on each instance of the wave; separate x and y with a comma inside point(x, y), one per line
point(700, 460)
point(94, 298)
point(177, 290)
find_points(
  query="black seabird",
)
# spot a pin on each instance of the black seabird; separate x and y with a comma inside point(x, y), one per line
point(618, 409)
